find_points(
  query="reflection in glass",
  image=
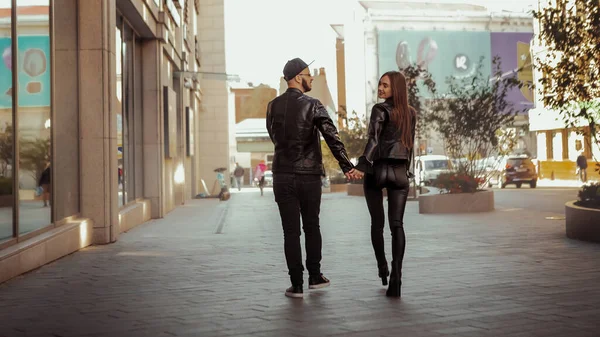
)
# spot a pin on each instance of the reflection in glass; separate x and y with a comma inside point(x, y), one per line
point(34, 178)
point(125, 47)
point(128, 48)
point(6, 131)
point(119, 108)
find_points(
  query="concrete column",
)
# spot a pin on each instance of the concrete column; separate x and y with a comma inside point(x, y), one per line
point(153, 126)
point(98, 127)
point(213, 115)
point(66, 117)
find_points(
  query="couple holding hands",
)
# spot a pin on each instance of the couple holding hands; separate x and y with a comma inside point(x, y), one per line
point(294, 121)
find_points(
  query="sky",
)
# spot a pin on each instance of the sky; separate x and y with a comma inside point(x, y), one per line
point(261, 35)
point(6, 3)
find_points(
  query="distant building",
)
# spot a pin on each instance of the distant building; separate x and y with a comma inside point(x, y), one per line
point(251, 101)
point(557, 147)
point(251, 142)
point(446, 38)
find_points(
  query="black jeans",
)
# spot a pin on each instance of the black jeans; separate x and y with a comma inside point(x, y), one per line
point(389, 174)
point(299, 195)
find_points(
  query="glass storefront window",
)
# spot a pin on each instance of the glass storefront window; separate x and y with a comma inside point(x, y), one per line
point(25, 117)
point(128, 111)
point(33, 115)
point(125, 50)
point(6, 122)
point(119, 108)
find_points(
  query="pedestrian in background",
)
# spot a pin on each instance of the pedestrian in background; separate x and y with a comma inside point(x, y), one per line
point(45, 183)
point(238, 174)
point(582, 167)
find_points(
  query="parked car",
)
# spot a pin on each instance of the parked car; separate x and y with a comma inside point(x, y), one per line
point(516, 170)
point(490, 170)
point(429, 167)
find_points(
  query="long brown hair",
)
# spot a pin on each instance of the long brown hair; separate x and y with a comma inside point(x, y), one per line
point(402, 115)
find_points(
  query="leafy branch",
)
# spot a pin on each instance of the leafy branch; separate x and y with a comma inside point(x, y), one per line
point(472, 116)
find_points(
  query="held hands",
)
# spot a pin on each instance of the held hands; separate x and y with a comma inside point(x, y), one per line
point(354, 174)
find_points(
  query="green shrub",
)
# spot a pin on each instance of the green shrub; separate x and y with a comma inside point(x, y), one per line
point(589, 195)
point(454, 182)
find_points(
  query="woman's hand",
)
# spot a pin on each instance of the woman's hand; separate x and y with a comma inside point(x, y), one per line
point(355, 174)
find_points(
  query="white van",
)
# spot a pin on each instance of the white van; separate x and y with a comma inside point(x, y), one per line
point(428, 168)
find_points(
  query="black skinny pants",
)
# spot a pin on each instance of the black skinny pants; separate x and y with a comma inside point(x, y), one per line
point(299, 196)
point(389, 174)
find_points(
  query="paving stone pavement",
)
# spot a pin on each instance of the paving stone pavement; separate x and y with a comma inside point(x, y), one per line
point(214, 268)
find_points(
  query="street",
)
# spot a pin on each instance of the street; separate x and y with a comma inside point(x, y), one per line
point(214, 268)
point(542, 199)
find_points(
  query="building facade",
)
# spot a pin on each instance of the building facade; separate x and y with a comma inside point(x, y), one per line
point(115, 111)
point(558, 147)
point(447, 39)
point(251, 139)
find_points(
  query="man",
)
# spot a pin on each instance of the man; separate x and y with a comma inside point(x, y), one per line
point(238, 173)
point(582, 167)
point(294, 121)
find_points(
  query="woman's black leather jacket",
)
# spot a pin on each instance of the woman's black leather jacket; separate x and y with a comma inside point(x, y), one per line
point(384, 138)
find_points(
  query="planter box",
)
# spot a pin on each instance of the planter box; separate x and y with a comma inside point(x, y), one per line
point(357, 190)
point(582, 223)
point(435, 203)
point(336, 188)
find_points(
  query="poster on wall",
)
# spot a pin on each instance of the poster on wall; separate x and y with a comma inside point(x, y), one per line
point(33, 71)
point(442, 53)
point(515, 56)
point(170, 98)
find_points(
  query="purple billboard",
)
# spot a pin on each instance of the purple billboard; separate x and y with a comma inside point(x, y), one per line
point(514, 53)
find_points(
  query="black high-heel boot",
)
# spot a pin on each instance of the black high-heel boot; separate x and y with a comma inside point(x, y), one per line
point(383, 274)
point(398, 245)
point(395, 282)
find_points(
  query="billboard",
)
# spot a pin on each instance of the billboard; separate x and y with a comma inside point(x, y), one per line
point(513, 50)
point(456, 53)
point(33, 69)
point(443, 53)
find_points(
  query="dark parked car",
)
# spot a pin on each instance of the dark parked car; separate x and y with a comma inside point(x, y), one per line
point(518, 170)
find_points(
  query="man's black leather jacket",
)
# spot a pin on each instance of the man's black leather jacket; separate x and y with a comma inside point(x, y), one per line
point(294, 121)
point(384, 138)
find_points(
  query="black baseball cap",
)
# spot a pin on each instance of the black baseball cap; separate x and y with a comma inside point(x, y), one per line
point(294, 67)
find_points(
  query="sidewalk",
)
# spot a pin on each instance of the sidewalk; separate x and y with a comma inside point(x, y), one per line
point(215, 268)
point(562, 183)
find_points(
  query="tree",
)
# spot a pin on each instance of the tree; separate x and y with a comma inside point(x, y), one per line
point(471, 118)
point(570, 33)
point(418, 78)
point(6, 150)
point(34, 154)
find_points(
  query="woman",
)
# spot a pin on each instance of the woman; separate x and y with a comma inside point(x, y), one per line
point(386, 162)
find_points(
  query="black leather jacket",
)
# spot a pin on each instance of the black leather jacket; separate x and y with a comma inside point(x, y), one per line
point(384, 138)
point(294, 121)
